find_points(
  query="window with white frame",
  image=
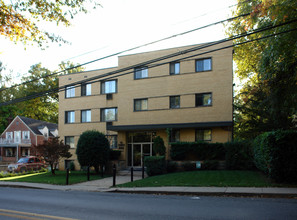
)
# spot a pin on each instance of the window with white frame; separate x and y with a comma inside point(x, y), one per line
point(203, 135)
point(140, 72)
point(70, 91)
point(109, 114)
point(69, 117)
point(9, 135)
point(86, 89)
point(17, 136)
point(174, 68)
point(69, 140)
point(108, 87)
point(140, 104)
point(86, 116)
point(203, 65)
point(26, 135)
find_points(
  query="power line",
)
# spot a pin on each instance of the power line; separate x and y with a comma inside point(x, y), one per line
point(127, 50)
point(76, 84)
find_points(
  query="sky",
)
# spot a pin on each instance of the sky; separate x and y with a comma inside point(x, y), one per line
point(120, 25)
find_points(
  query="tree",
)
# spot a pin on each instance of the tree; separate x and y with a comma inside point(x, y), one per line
point(52, 150)
point(20, 19)
point(267, 100)
point(93, 149)
point(158, 146)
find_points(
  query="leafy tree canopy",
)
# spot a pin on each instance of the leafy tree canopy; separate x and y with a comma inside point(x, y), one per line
point(267, 100)
point(19, 19)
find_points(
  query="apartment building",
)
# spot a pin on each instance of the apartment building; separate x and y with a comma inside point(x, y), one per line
point(180, 94)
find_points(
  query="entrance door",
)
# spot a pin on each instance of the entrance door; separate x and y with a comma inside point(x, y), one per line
point(136, 151)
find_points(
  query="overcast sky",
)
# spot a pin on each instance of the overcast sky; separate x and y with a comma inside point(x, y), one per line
point(119, 25)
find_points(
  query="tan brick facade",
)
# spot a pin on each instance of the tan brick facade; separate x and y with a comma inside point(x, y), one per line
point(212, 86)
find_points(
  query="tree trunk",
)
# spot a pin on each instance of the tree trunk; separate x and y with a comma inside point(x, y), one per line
point(52, 169)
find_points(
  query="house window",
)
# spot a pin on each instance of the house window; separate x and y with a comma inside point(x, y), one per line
point(9, 135)
point(70, 91)
point(174, 101)
point(86, 116)
point(140, 105)
point(86, 89)
point(174, 135)
point(108, 87)
point(203, 99)
point(203, 65)
point(10, 152)
point(17, 136)
point(109, 114)
point(26, 135)
point(25, 152)
point(69, 117)
point(203, 135)
point(113, 141)
point(140, 72)
point(69, 140)
point(174, 68)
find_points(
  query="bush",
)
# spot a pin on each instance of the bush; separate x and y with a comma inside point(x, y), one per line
point(159, 147)
point(189, 166)
point(114, 154)
point(171, 167)
point(275, 153)
point(93, 149)
point(239, 155)
point(197, 151)
point(155, 165)
point(210, 165)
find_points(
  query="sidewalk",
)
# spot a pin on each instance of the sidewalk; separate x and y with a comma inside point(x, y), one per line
point(105, 185)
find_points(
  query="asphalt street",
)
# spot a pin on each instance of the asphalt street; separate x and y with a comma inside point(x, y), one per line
point(19, 203)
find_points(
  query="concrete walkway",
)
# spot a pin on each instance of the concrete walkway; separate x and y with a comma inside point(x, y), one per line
point(105, 185)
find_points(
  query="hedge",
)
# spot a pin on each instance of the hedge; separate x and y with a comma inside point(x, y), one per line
point(275, 153)
point(155, 165)
point(239, 155)
point(197, 151)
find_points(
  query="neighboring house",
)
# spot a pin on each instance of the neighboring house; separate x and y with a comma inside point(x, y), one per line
point(17, 139)
point(184, 100)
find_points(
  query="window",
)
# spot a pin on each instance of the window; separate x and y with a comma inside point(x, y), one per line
point(109, 114)
point(174, 68)
point(17, 136)
point(86, 89)
point(69, 140)
point(140, 104)
point(10, 152)
point(140, 72)
point(203, 65)
point(174, 101)
point(203, 135)
point(8, 135)
point(26, 135)
point(70, 91)
point(174, 135)
point(113, 141)
point(69, 117)
point(109, 87)
point(203, 99)
point(86, 116)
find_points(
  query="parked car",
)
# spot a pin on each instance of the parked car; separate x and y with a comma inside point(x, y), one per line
point(27, 163)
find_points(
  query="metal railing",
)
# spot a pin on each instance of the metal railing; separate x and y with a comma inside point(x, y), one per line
point(13, 141)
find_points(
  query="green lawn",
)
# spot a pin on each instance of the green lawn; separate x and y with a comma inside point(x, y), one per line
point(58, 179)
point(219, 178)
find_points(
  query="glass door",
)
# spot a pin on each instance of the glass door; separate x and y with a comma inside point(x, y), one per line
point(135, 152)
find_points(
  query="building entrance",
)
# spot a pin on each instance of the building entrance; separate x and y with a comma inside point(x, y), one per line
point(140, 145)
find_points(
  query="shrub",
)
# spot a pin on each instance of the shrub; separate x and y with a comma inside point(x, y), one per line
point(72, 166)
point(155, 165)
point(239, 155)
point(275, 153)
point(114, 154)
point(93, 149)
point(210, 164)
point(171, 167)
point(158, 146)
point(188, 166)
point(197, 151)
